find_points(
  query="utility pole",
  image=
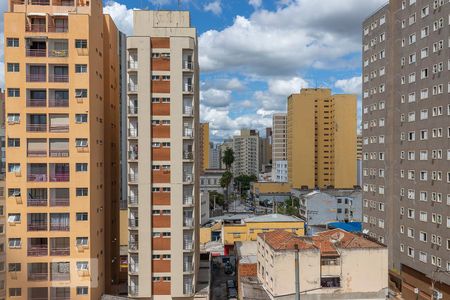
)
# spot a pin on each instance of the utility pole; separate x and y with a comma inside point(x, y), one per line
point(297, 274)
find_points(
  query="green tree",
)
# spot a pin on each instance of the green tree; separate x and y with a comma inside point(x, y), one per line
point(228, 158)
point(216, 197)
point(243, 182)
point(225, 181)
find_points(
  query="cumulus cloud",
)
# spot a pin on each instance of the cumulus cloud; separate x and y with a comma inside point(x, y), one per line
point(215, 7)
point(350, 85)
point(215, 97)
point(303, 38)
point(122, 16)
point(286, 87)
point(255, 3)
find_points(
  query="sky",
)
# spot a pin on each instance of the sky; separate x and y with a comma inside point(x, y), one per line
point(254, 53)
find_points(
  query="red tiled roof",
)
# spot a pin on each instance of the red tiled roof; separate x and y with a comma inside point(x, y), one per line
point(328, 241)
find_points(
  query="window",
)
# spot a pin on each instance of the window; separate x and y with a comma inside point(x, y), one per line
point(14, 167)
point(12, 42)
point(82, 216)
point(80, 192)
point(80, 68)
point(15, 243)
point(13, 142)
point(423, 216)
point(81, 143)
point(13, 67)
point(15, 292)
point(424, 53)
point(82, 266)
point(13, 92)
point(410, 252)
point(425, 11)
point(423, 236)
point(82, 290)
point(423, 256)
point(81, 118)
point(82, 241)
point(410, 232)
point(81, 167)
point(81, 93)
point(81, 44)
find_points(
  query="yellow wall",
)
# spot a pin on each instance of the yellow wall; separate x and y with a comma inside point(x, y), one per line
point(270, 187)
point(249, 231)
point(204, 145)
point(205, 235)
point(321, 139)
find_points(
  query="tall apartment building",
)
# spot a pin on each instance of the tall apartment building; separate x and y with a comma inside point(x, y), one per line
point(265, 151)
point(214, 156)
point(321, 143)
point(246, 153)
point(62, 134)
point(163, 165)
point(406, 178)
point(279, 147)
point(204, 146)
point(359, 146)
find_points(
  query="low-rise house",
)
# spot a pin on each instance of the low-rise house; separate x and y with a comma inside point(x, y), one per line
point(334, 264)
point(210, 180)
point(245, 262)
point(269, 192)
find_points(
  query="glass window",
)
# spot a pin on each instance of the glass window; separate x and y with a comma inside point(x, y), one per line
point(81, 167)
point(81, 192)
point(82, 216)
point(81, 44)
point(13, 92)
point(80, 68)
point(81, 118)
point(12, 42)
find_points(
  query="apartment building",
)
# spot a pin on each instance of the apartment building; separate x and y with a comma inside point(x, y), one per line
point(246, 153)
point(333, 265)
point(265, 152)
point(359, 142)
point(204, 146)
point(406, 178)
point(279, 147)
point(321, 139)
point(214, 156)
point(227, 143)
point(61, 106)
point(163, 164)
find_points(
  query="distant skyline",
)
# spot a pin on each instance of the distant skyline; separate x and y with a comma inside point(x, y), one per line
point(254, 53)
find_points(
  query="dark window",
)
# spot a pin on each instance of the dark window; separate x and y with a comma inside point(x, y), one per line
point(80, 44)
point(80, 68)
point(13, 92)
point(13, 142)
point(82, 216)
point(13, 67)
point(81, 167)
point(12, 42)
point(81, 192)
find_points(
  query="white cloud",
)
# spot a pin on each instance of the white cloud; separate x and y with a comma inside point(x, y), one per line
point(215, 97)
point(122, 16)
point(350, 85)
point(285, 88)
point(215, 7)
point(255, 3)
point(291, 38)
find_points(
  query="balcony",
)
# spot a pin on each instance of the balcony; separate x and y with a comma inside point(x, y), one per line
point(40, 293)
point(188, 244)
point(188, 133)
point(133, 290)
point(36, 127)
point(59, 226)
point(32, 276)
point(37, 172)
point(60, 24)
point(132, 133)
point(188, 178)
point(36, 147)
point(133, 246)
point(132, 65)
point(34, 202)
point(133, 223)
point(63, 2)
point(58, 102)
point(59, 197)
point(58, 78)
point(188, 111)
point(36, 52)
point(188, 155)
point(64, 251)
point(132, 110)
point(133, 178)
point(59, 148)
point(188, 88)
point(37, 226)
point(39, 27)
point(133, 200)
point(188, 222)
point(60, 276)
point(132, 88)
point(39, 2)
point(133, 155)
point(37, 247)
point(36, 77)
point(58, 98)
point(188, 65)
point(59, 173)
point(36, 99)
point(133, 268)
point(188, 200)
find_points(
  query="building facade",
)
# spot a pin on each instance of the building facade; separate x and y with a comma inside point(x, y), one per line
point(204, 146)
point(246, 153)
point(332, 264)
point(321, 130)
point(227, 143)
point(406, 178)
point(279, 147)
point(163, 163)
point(214, 156)
point(62, 107)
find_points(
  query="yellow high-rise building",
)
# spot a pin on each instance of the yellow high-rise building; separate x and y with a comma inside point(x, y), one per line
point(204, 146)
point(321, 131)
point(62, 180)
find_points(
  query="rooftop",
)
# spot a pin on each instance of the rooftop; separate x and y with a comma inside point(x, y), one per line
point(327, 241)
point(273, 218)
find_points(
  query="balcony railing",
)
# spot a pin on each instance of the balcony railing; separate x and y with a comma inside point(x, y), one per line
point(188, 244)
point(33, 177)
point(188, 65)
point(188, 133)
point(132, 65)
point(188, 289)
point(37, 202)
point(37, 153)
point(37, 276)
point(59, 202)
point(188, 110)
point(62, 177)
point(59, 227)
point(133, 246)
point(58, 78)
point(59, 153)
point(189, 178)
point(36, 102)
point(36, 78)
point(133, 290)
point(60, 277)
point(37, 250)
point(133, 223)
point(132, 110)
point(39, 2)
point(188, 155)
point(36, 127)
point(133, 177)
point(37, 226)
point(35, 28)
point(133, 268)
point(188, 88)
point(58, 53)
point(132, 132)
point(133, 200)
point(188, 200)
point(36, 52)
point(188, 222)
point(64, 251)
point(59, 128)
point(58, 102)
point(132, 155)
point(132, 87)
point(188, 267)
point(58, 28)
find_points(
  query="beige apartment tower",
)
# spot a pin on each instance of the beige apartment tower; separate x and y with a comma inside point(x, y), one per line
point(62, 132)
point(321, 143)
point(163, 160)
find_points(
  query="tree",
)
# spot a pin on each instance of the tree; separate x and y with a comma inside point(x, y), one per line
point(225, 181)
point(243, 181)
point(216, 197)
point(228, 158)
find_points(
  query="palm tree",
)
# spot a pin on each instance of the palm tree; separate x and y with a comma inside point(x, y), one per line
point(228, 158)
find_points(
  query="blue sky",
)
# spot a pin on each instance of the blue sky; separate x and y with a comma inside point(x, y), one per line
point(255, 53)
